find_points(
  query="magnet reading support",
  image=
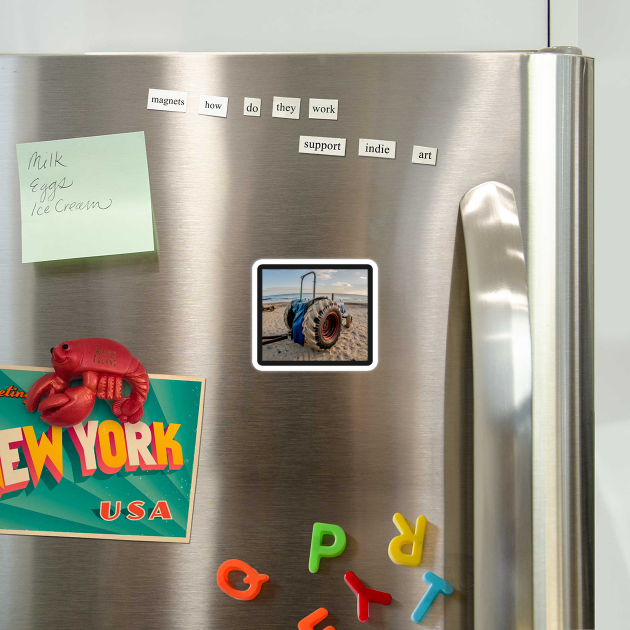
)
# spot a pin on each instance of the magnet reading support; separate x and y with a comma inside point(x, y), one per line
point(308, 623)
point(436, 586)
point(252, 577)
point(407, 537)
point(319, 551)
point(365, 596)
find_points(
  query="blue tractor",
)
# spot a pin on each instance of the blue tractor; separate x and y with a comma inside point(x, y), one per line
point(317, 322)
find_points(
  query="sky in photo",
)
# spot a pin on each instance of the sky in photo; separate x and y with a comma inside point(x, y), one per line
point(279, 281)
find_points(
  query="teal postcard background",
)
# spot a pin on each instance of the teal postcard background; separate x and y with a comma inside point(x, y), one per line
point(72, 505)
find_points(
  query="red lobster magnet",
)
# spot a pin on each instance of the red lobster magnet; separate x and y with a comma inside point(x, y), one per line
point(102, 364)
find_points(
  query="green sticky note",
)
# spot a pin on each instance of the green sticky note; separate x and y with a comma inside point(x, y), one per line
point(85, 197)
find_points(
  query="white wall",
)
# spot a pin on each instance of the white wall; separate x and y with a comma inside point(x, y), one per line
point(604, 29)
point(36, 26)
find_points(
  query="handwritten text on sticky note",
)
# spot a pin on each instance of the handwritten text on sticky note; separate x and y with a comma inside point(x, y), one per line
point(85, 197)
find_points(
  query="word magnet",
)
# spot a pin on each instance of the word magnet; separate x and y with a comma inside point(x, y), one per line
point(213, 106)
point(252, 577)
point(407, 537)
point(251, 106)
point(319, 550)
point(285, 107)
point(365, 595)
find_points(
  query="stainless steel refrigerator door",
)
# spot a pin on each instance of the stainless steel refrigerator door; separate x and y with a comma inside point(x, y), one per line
point(282, 450)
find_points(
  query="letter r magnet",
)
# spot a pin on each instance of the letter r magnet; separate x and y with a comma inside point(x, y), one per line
point(407, 537)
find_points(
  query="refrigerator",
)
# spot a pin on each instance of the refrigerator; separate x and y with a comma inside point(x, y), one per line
point(474, 408)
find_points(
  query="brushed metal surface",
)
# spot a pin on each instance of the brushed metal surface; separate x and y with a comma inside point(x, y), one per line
point(279, 451)
point(560, 276)
point(502, 368)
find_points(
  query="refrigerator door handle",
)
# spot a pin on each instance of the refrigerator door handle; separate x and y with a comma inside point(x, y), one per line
point(502, 374)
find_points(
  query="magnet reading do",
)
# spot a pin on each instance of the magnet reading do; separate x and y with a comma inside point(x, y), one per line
point(251, 106)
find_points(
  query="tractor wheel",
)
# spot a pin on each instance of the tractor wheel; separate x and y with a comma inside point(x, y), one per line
point(348, 321)
point(322, 325)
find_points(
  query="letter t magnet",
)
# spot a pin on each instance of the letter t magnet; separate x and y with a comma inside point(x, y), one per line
point(407, 537)
point(436, 586)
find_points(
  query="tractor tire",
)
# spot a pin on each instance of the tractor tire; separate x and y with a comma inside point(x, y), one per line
point(348, 321)
point(322, 325)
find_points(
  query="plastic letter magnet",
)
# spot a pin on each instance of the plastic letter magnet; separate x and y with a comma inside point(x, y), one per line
point(436, 586)
point(407, 537)
point(308, 623)
point(365, 596)
point(319, 551)
point(252, 577)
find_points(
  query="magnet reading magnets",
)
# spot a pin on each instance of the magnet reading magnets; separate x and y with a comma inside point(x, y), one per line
point(103, 364)
point(252, 577)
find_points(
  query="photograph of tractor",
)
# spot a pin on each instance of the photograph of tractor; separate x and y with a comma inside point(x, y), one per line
point(315, 322)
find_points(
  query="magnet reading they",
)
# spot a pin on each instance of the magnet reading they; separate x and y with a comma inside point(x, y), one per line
point(252, 577)
point(407, 537)
point(319, 551)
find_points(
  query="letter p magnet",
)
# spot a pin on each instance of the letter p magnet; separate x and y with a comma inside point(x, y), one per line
point(319, 551)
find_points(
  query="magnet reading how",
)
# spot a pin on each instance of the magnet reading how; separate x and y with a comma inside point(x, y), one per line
point(377, 148)
point(285, 107)
point(252, 577)
point(167, 100)
point(322, 146)
point(407, 537)
point(319, 550)
point(424, 155)
point(213, 105)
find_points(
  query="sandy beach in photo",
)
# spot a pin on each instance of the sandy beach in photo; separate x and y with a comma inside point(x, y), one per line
point(352, 344)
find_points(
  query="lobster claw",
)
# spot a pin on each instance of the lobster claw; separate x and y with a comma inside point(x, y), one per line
point(128, 410)
point(68, 408)
point(43, 386)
